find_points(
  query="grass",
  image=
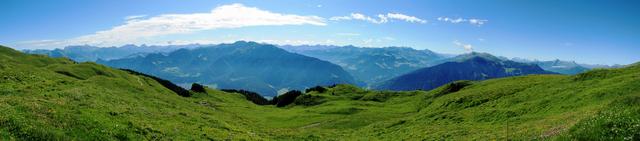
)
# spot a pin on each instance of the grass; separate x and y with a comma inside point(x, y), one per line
point(45, 98)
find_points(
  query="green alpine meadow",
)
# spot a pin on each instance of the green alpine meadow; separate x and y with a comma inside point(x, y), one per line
point(330, 70)
point(45, 98)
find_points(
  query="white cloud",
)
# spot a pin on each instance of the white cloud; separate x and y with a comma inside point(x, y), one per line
point(477, 21)
point(358, 16)
point(407, 18)
point(155, 29)
point(380, 19)
point(137, 29)
point(472, 21)
point(134, 17)
point(467, 47)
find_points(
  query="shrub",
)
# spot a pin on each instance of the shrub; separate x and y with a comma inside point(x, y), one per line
point(452, 87)
point(286, 98)
point(251, 96)
point(318, 89)
point(197, 88)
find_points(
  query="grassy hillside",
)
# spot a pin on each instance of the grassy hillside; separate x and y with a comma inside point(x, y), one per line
point(45, 98)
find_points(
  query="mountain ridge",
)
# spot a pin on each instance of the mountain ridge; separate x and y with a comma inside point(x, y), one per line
point(473, 66)
point(86, 53)
point(373, 65)
point(262, 68)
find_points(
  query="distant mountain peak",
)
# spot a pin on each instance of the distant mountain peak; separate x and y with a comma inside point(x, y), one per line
point(472, 66)
point(242, 43)
point(474, 55)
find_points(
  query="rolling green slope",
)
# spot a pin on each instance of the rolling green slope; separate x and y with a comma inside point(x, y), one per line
point(595, 105)
point(46, 98)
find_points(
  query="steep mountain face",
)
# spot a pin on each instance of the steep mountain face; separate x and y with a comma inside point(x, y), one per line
point(474, 66)
point(558, 66)
point(262, 68)
point(373, 65)
point(92, 53)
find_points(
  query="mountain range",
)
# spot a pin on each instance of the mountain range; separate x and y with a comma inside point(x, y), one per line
point(271, 70)
point(559, 66)
point(92, 53)
point(251, 66)
point(472, 66)
point(372, 65)
point(564, 67)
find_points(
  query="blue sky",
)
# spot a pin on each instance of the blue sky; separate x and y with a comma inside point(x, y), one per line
point(595, 32)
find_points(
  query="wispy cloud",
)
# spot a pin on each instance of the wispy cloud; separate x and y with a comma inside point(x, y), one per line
point(134, 17)
point(380, 19)
point(358, 16)
point(472, 21)
point(467, 47)
point(137, 28)
point(406, 18)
